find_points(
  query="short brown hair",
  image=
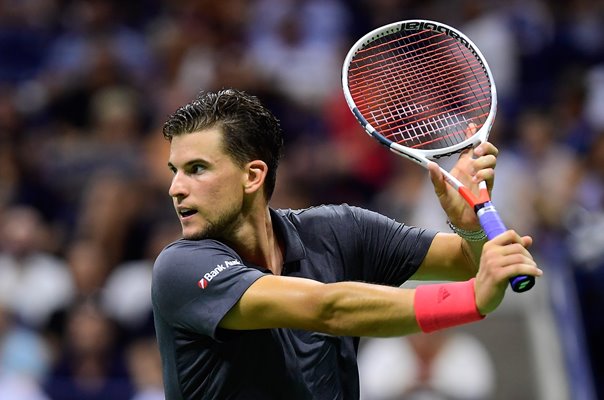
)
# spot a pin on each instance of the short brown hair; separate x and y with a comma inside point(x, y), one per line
point(251, 131)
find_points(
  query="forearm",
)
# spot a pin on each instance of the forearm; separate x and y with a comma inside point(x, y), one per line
point(472, 251)
point(359, 309)
point(450, 258)
point(351, 308)
point(342, 308)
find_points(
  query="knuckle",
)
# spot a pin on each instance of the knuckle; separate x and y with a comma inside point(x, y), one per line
point(518, 248)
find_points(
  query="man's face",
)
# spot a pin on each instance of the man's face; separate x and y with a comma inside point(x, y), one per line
point(207, 187)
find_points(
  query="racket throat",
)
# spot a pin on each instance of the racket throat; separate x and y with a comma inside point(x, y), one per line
point(475, 201)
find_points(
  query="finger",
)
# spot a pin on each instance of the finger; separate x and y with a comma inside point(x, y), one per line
point(487, 175)
point(517, 258)
point(496, 262)
point(506, 272)
point(485, 149)
point(516, 248)
point(521, 269)
point(508, 237)
point(483, 162)
point(469, 132)
point(527, 241)
point(483, 169)
point(437, 178)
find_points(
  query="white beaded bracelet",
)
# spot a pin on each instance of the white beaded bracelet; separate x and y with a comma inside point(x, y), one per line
point(470, 236)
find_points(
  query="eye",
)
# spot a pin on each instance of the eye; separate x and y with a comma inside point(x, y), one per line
point(197, 169)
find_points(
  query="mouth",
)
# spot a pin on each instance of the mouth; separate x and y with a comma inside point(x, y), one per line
point(186, 213)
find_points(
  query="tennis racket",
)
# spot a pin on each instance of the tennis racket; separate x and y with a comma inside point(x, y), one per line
point(415, 86)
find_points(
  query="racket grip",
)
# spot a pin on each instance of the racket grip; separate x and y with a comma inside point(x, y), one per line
point(493, 226)
point(490, 221)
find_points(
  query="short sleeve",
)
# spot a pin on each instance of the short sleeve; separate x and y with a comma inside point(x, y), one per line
point(391, 251)
point(196, 283)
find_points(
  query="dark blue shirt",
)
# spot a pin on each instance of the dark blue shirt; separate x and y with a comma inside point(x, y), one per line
point(195, 284)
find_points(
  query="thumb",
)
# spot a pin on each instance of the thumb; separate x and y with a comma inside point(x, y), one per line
point(437, 178)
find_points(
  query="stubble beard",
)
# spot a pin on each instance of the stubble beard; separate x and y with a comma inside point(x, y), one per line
point(219, 229)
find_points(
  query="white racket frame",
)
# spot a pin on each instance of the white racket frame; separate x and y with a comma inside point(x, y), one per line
point(419, 156)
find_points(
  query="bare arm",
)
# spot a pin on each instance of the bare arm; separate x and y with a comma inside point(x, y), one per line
point(342, 308)
point(362, 309)
point(450, 258)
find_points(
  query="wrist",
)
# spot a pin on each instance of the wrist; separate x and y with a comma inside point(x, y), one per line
point(441, 306)
point(477, 235)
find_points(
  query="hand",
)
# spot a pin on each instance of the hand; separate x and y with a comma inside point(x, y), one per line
point(502, 258)
point(474, 165)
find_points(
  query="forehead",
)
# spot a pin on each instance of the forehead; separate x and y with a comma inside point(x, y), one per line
point(205, 144)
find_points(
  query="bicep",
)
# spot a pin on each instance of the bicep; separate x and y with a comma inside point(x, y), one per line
point(277, 302)
point(445, 260)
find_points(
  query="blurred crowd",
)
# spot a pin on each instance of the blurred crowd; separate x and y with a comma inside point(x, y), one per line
point(85, 86)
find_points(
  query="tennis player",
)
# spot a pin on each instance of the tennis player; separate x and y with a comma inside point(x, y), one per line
point(258, 303)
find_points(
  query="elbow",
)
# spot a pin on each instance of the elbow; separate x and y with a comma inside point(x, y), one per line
point(329, 312)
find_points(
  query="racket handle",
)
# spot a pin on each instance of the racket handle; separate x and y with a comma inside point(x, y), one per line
point(493, 226)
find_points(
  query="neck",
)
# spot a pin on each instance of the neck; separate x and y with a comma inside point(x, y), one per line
point(256, 242)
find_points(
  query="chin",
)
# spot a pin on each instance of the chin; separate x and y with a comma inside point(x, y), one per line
point(199, 232)
point(219, 229)
point(194, 235)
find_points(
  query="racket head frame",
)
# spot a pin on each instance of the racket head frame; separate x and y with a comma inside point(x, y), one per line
point(421, 156)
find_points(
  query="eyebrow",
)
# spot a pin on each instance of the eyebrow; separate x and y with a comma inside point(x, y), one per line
point(190, 162)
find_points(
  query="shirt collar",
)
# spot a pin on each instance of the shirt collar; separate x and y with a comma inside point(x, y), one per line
point(294, 248)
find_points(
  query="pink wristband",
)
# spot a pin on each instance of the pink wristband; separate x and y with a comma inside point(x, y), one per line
point(445, 305)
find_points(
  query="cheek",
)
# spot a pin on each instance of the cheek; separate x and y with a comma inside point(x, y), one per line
point(224, 190)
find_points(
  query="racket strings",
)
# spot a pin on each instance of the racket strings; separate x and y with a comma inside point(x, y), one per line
point(395, 58)
point(455, 87)
point(420, 90)
point(475, 85)
point(428, 83)
point(425, 77)
point(434, 123)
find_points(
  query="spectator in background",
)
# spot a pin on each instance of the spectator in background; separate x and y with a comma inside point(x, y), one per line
point(9, 178)
point(96, 30)
point(585, 249)
point(88, 168)
point(24, 360)
point(127, 292)
point(91, 365)
point(554, 168)
point(87, 266)
point(442, 365)
point(568, 110)
point(489, 28)
point(295, 51)
point(109, 208)
point(25, 31)
point(401, 193)
point(33, 282)
point(144, 364)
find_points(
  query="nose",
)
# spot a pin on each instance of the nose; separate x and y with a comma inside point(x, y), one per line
point(178, 188)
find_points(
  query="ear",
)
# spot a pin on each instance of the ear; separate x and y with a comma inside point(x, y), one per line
point(256, 171)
